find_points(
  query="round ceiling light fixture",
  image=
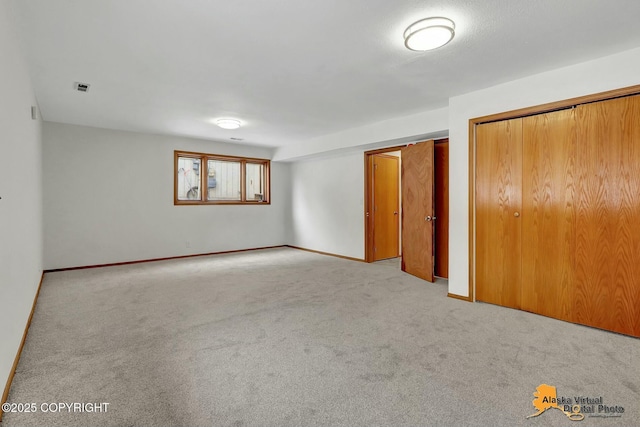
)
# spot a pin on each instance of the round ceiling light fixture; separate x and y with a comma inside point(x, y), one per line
point(228, 123)
point(429, 33)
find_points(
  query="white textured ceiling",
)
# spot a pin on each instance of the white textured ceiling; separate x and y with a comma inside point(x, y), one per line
point(292, 70)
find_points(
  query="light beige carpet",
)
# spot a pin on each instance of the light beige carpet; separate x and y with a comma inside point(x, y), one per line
point(284, 337)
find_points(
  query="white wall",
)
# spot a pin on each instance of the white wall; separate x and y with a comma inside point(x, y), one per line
point(327, 176)
point(612, 72)
point(108, 197)
point(21, 195)
point(386, 133)
point(328, 205)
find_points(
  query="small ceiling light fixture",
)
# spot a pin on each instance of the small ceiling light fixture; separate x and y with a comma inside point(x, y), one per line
point(429, 33)
point(228, 123)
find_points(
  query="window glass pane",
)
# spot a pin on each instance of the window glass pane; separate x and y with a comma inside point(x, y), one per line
point(223, 180)
point(255, 182)
point(188, 178)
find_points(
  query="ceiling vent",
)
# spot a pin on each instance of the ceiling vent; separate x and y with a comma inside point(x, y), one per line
point(81, 87)
point(237, 139)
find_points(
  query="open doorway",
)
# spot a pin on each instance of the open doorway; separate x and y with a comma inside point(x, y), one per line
point(384, 204)
point(384, 201)
point(441, 207)
point(383, 207)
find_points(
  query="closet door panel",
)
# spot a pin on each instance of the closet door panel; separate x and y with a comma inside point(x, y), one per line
point(607, 291)
point(548, 213)
point(498, 205)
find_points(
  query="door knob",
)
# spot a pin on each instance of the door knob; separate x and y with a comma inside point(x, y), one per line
point(516, 214)
point(428, 218)
point(395, 212)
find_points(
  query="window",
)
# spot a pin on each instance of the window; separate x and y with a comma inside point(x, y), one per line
point(227, 180)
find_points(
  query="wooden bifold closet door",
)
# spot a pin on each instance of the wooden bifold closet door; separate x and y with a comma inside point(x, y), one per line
point(607, 253)
point(548, 212)
point(558, 214)
point(498, 205)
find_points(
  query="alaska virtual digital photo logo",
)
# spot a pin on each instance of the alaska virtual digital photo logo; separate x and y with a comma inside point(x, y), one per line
point(575, 408)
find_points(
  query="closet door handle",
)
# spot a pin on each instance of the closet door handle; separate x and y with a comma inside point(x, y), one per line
point(516, 214)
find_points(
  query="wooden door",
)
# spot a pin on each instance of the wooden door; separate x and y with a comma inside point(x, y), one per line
point(607, 258)
point(417, 210)
point(498, 206)
point(441, 208)
point(548, 212)
point(386, 188)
